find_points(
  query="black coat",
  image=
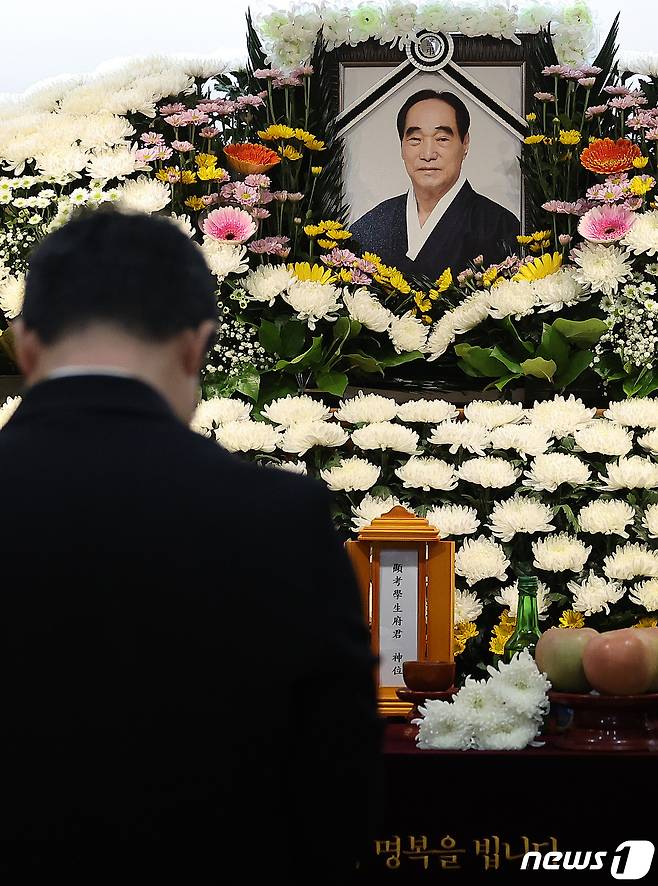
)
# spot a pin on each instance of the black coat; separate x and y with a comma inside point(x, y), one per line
point(472, 225)
point(185, 669)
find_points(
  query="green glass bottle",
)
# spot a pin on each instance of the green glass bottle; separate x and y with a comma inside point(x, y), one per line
point(526, 633)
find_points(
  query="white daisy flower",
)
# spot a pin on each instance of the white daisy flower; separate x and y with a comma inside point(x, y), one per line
point(427, 473)
point(559, 553)
point(606, 517)
point(595, 594)
point(520, 514)
point(481, 558)
point(453, 520)
point(350, 475)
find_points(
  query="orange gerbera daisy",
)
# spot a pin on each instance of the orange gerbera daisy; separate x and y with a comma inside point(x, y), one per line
point(250, 159)
point(607, 157)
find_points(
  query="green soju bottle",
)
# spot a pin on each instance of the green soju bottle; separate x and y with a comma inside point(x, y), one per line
point(526, 633)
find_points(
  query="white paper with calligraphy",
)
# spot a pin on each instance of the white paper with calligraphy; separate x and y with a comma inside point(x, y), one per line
point(398, 613)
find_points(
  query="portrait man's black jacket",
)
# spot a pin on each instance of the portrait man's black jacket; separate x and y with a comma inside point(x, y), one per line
point(472, 225)
point(186, 674)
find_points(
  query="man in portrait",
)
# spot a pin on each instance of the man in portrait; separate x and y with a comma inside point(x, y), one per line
point(441, 221)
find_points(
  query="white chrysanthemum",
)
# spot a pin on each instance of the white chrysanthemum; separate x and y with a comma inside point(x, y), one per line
point(442, 335)
point(218, 411)
point(525, 439)
point(61, 161)
point(362, 306)
point(470, 313)
point(492, 413)
point(427, 411)
point(509, 598)
point(513, 736)
point(468, 607)
point(452, 520)
point(602, 268)
point(559, 290)
point(294, 410)
point(224, 258)
point(313, 301)
point(455, 434)
point(511, 298)
point(631, 561)
point(640, 412)
point(293, 467)
point(487, 471)
point(650, 520)
point(266, 282)
point(372, 507)
point(631, 473)
point(480, 709)
point(12, 293)
point(604, 437)
point(480, 558)
point(560, 552)
point(247, 436)
point(645, 594)
point(550, 470)
point(595, 594)
point(561, 416)
point(606, 517)
point(407, 334)
point(350, 475)
point(520, 514)
point(385, 435)
point(115, 162)
point(182, 222)
point(144, 195)
point(643, 236)
point(426, 474)
point(299, 438)
point(521, 686)
point(442, 727)
point(366, 409)
point(639, 63)
point(8, 408)
point(649, 441)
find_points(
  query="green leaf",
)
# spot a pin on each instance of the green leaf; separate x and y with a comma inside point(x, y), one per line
point(293, 336)
point(581, 333)
point(505, 359)
point(505, 380)
point(269, 335)
point(331, 382)
point(554, 346)
point(537, 367)
point(522, 345)
point(248, 382)
point(576, 365)
point(274, 385)
point(481, 360)
point(364, 363)
point(342, 328)
point(355, 328)
point(219, 385)
point(399, 359)
point(311, 357)
point(649, 386)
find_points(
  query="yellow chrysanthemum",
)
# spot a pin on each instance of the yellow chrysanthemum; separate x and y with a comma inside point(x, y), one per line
point(434, 294)
point(303, 136)
point(523, 239)
point(540, 267)
point(426, 318)
point(538, 236)
point(373, 258)
point(205, 160)
point(327, 244)
point(489, 276)
point(316, 273)
point(647, 623)
point(188, 177)
point(315, 145)
point(395, 280)
point(169, 174)
point(571, 619)
point(445, 280)
point(570, 137)
point(316, 170)
point(339, 235)
point(534, 139)
point(641, 184)
point(501, 633)
point(345, 275)
point(313, 230)
point(331, 225)
point(276, 132)
point(212, 173)
point(422, 301)
point(290, 153)
point(531, 117)
point(464, 631)
point(195, 203)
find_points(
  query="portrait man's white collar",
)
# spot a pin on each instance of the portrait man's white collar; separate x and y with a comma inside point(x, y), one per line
point(416, 234)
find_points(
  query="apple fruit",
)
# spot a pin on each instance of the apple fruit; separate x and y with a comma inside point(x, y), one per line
point(649, 637)
point(559, 654)
point(619, 663)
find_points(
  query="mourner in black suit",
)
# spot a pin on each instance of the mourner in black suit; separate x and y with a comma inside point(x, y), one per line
point(441, 222)
point(187, 686)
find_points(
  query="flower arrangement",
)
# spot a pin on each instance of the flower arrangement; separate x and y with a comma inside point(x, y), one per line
point(553, 490)
point(503, 713)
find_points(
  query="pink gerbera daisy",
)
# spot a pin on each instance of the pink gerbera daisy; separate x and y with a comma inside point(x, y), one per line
point(606, 224)
point(229, 224)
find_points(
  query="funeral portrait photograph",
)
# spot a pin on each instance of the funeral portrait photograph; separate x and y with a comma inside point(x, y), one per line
point(431, 175)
